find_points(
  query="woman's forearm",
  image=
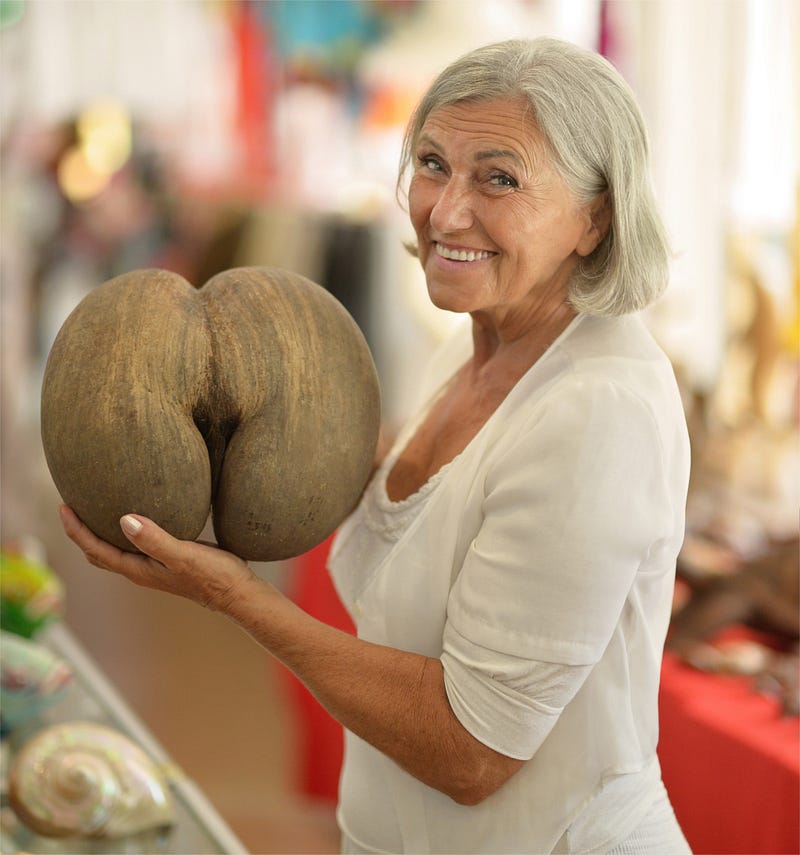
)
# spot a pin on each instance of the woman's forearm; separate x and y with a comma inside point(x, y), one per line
point(392, 699)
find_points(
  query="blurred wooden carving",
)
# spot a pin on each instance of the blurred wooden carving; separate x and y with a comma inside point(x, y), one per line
point(762, 593)
point(739, 564)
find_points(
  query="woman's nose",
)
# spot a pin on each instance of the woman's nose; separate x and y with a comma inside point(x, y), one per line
point(452, 211)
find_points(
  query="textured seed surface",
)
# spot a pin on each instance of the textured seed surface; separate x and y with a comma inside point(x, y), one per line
point(254, 397)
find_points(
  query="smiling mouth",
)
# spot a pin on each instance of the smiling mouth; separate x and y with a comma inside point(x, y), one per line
point(461, 254)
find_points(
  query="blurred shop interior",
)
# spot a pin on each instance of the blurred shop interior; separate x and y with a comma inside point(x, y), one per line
point(201, 135)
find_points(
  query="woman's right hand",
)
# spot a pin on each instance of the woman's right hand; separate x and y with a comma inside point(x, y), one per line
point(199, 572)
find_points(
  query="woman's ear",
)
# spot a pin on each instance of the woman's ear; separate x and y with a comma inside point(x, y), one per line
point(598, 222)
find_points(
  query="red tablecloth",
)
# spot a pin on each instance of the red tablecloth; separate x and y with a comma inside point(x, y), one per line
point(730, 761)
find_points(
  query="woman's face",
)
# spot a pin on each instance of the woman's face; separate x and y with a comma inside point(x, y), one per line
point(498, 231)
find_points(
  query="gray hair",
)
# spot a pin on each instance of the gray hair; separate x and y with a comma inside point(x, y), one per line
point(597, 141)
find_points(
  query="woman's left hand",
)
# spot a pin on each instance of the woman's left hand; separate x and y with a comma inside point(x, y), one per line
point(199, 572)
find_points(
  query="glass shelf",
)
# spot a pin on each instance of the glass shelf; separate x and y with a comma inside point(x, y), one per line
point(198, 828)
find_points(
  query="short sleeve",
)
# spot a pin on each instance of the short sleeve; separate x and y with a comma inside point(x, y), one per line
point(572, 507)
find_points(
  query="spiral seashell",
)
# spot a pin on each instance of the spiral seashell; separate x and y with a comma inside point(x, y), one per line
point(81, 779)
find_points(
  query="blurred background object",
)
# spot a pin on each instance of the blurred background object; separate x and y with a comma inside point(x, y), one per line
point(199, 135)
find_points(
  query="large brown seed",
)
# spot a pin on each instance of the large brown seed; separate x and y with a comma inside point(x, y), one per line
point(254, 396)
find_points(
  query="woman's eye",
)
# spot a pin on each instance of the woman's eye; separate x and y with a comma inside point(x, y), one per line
point(430, 163)
point(500, 179)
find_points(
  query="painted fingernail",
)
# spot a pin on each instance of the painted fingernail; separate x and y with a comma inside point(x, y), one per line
point(130, 525)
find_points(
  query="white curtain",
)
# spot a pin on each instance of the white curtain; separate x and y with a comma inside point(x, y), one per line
point(718, 82)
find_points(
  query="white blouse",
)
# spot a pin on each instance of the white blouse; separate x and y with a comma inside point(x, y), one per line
point(538, 565)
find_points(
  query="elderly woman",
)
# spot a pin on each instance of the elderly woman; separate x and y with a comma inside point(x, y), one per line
point(510, 565)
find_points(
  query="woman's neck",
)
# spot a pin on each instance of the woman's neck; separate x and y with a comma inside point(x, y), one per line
point(518, 341)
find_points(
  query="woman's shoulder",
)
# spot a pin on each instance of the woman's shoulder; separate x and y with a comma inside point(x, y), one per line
point(606, 370)
point(619, 355)
point(598, 338)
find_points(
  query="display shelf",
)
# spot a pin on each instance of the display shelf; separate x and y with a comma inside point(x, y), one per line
point(198, 828)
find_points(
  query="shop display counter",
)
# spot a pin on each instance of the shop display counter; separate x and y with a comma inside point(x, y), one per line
point(198, 829)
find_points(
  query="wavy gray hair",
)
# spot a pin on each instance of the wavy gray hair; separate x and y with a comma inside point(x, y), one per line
point(598, 143)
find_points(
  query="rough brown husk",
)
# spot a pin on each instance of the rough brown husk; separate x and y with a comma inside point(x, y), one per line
point(255, 396)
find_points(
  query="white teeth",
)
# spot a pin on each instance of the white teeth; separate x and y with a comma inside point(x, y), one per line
point(460, 254)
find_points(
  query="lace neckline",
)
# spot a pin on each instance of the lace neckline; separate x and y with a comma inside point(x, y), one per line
point(390, 519)
point(382, 496)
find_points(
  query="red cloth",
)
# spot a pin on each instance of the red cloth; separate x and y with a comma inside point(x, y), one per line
point(320, 739)
point(255, 95)
point(730, 762)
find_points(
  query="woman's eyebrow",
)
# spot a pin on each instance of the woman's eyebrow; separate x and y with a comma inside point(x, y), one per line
point(428, 140)
point(487, 154)
point(497, 152)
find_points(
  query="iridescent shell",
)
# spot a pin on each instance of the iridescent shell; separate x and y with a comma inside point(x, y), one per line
point(81, 779)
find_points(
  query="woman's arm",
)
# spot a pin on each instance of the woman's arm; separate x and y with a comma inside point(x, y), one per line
point(392, 699)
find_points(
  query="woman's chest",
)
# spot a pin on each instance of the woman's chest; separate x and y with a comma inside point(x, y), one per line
point(452, 423)
point(395, 574)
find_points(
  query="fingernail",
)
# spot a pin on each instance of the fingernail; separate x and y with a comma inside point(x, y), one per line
point(130, 525)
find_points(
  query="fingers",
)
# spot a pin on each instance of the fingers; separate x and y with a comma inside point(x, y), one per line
point(98, 552)
point(152, 540)
point(102, 554)
point(205, 574)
